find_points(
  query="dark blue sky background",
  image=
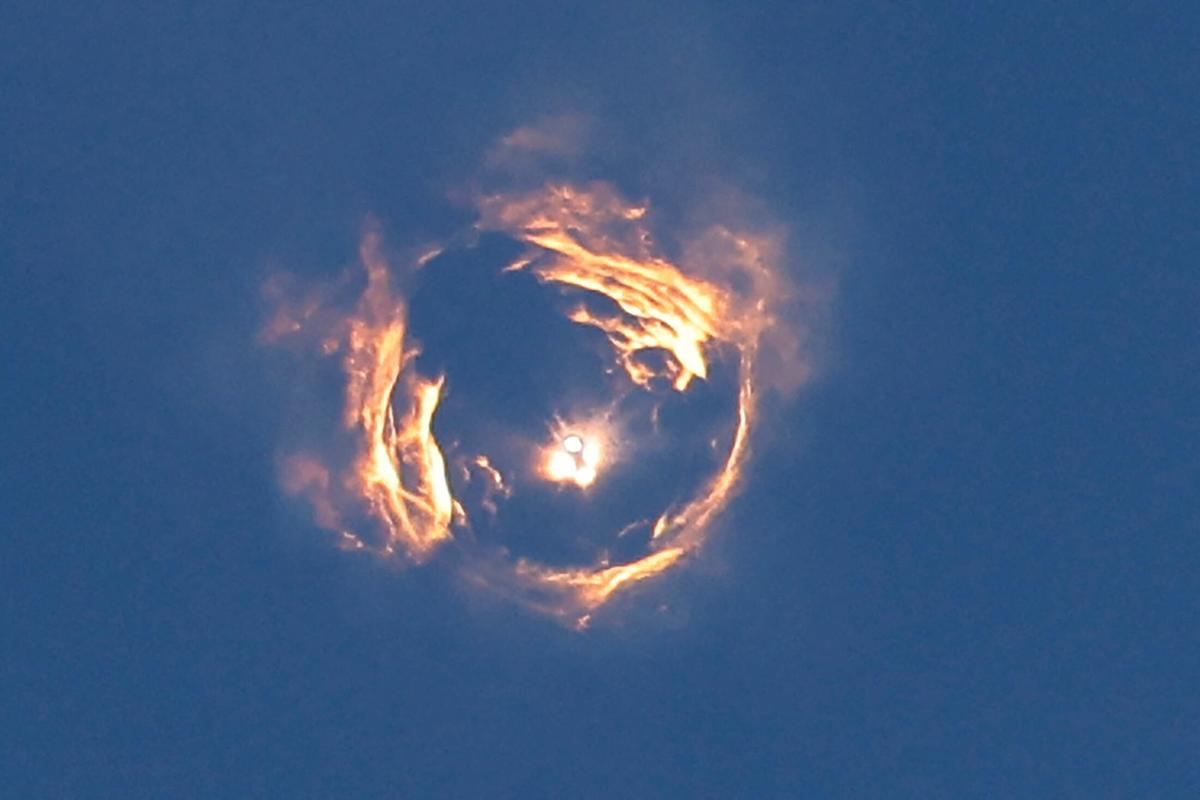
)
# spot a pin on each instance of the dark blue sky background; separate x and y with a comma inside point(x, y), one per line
point(965, 566)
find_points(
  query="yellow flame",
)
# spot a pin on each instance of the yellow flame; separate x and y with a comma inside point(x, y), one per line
point(580, 237)
point(662, 308)
point(398, 468)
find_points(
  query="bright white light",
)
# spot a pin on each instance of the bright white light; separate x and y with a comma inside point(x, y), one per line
point(591, 455)
point(561, 466)
point(573, 444)
point(585, 475)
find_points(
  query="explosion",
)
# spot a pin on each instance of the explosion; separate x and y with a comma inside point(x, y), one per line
point(664, 321)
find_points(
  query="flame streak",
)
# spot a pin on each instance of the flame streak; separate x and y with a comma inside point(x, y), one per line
point(663, 308)
point(587, 238)
point(398, 469)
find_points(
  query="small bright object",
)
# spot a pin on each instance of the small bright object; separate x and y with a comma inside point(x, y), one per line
point(576, 460)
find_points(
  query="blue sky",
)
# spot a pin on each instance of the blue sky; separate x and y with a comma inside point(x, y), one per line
point(964, 564)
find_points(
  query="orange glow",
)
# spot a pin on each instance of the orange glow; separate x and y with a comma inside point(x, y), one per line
point(398, 469)
point(662, 307)
point(579, 238)
point(560, 466)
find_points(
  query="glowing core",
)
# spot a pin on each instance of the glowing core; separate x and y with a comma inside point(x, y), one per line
point(576, 461)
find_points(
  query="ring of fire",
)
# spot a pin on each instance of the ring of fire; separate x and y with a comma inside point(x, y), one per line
point(719, 294)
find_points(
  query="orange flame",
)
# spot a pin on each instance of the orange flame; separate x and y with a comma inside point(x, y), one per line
point(582, 237)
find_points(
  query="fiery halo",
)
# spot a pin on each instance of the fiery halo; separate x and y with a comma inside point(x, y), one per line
point(723, 293)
